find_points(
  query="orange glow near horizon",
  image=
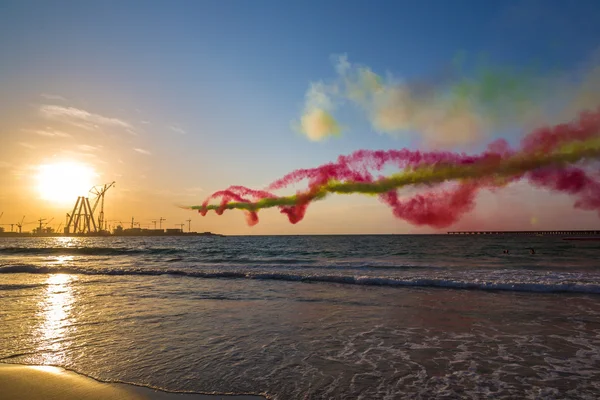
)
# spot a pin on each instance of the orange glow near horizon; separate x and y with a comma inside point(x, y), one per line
point(63, 182)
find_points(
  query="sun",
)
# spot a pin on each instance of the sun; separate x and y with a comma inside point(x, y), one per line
point(63, 182)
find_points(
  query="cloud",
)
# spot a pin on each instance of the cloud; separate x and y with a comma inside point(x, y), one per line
point(81, 154)
point(177, 129)
point(83, 118)
point(455, 108)
point(316, 122)
point(52, 97)
point(392, 107)
point(48, 132)
point(27, 145)
point(88, 148)
point(395, 107)
point(142, 151)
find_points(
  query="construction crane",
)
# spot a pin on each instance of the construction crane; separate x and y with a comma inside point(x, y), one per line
point(111, 223)
point(45, 227)
point(189, 221)
point(81, 219)
point(11, 226)
point(20, 224)
point(28, 223)
point(99, 191)
point(161, 219)
point(180, 226)
point(154, 222)
point(41, 221)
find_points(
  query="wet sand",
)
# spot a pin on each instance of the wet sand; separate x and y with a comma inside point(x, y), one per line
point(52, 383)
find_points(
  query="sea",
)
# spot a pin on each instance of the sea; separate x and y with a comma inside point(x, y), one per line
point(310, 317)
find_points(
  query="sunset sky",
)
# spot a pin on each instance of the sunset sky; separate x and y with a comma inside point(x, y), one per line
point(176, 99)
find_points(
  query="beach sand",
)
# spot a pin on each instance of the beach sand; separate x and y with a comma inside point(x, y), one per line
point(19, 382)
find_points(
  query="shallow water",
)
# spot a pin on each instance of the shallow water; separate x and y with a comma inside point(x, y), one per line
point(368, 317)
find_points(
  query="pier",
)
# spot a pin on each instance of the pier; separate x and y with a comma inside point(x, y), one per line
point(528, 233)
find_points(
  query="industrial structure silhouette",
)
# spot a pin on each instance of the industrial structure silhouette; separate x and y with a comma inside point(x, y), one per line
point(87, 218)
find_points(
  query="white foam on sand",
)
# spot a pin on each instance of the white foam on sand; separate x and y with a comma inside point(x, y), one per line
point(52, 383)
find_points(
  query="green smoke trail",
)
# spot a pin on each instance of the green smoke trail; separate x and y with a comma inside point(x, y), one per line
point(462, 107)
point(510, 167)
point(503, 95)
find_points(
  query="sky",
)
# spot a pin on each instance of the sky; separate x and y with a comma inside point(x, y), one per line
point(174, 100)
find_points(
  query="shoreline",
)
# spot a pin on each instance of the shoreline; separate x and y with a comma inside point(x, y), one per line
point(20, 381)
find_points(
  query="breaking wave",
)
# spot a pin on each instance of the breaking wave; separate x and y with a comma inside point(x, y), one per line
point(85, 251)
point(534, 284)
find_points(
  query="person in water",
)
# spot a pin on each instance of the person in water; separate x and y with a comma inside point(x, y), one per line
point(506, 251)
point(531, 250)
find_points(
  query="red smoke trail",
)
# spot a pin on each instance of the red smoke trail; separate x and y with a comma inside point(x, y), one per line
point(235, 193)
point(357, 166)
point(436, 208)
point(570, 180)
point(549, 138)
point(573, 181)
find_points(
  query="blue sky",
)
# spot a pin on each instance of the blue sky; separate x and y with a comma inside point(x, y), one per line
point(233, 74)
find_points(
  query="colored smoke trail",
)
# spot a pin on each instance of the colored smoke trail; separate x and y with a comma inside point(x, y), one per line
point(460, 106)
point(546, 158)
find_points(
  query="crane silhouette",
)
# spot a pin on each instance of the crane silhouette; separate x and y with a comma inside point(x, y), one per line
point(20, 224)
point(11, 227)
point(42, 225)
point(17, 224)
point(40, 221)
point(99, 191)
point(82, 219)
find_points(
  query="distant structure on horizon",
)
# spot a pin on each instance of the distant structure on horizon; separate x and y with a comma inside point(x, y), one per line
point(82, 218)
point(83, 221)
point(529, 233)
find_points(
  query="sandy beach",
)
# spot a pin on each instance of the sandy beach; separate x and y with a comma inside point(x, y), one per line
point(20, 382)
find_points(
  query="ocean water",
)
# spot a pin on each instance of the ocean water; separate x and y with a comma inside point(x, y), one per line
point(310, 317)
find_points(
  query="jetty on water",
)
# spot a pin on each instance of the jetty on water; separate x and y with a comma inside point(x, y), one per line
point(529, 233)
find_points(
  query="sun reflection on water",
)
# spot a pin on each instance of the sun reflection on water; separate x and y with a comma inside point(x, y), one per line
point(66, 241)
point(61, 260)
point(57, 319)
